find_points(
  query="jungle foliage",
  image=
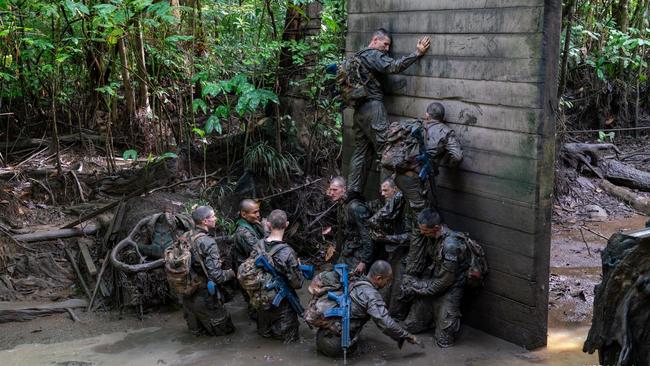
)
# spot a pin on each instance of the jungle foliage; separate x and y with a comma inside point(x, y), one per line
point(604, 77)
point(153, 76)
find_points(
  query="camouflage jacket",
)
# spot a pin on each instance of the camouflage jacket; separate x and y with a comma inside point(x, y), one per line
point(246, 237)
point(208, 253)
point(380, 63)
point(352, 233)
point(285, 261)
point(368, 304)
point(441, 144)
point(391, 223)
point(446, 262)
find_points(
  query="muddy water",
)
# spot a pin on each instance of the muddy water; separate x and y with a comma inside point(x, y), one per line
point(163, 338)
point(170, 344)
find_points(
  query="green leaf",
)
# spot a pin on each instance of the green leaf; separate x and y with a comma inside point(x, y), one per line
point(130, 155)
point(222, 111)
point(211, 89)
point(76, 8)
point(213, 124)
point(199, 103)
point(199, 132)
point(168, 155)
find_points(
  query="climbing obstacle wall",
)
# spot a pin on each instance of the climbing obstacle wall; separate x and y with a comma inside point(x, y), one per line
point(493, 65)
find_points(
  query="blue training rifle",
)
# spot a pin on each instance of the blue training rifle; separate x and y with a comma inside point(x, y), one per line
point(279, 283)
point(343, 310)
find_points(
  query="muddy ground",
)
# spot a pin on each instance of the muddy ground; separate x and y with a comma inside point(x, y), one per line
point(161, 337)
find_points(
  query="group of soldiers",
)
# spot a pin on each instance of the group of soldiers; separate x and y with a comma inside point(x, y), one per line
point(408, 269)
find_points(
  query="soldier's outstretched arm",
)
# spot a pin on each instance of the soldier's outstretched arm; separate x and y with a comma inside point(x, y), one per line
point(376, 308)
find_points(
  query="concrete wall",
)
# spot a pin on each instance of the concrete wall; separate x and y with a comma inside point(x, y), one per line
point(493, 64)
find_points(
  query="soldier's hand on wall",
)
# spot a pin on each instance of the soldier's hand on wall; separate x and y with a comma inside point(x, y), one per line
point(423, 45)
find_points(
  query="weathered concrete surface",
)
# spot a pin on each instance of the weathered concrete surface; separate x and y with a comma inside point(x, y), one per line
point(169, 343)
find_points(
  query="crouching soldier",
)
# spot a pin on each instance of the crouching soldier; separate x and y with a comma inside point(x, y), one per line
point(366, 303)
point(281, 321)
point(204, 310)
point(438, 288)
point(353, 240)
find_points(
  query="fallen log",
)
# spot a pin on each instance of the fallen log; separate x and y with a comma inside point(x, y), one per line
point(639, 203)
point(89, 229)
point(625, 175)
point(20, 312)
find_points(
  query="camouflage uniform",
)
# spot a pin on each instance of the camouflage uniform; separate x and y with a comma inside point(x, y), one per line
point(281, 322)
point(442, 147)
point(246, 237)
point(366, 304)
point(205, 313)
point(352, 237)
point(370, 117)
point(438, 288)
point(390, 228)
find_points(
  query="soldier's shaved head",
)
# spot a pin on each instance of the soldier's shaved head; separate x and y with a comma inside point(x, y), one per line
point(390, 182)
point(436, 111)
point(277, 219)
point(380, 268)
point(247, 204)
point(338, 181)
point(382, 33)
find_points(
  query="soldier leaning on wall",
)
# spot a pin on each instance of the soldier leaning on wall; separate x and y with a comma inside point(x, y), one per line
point(370, 116)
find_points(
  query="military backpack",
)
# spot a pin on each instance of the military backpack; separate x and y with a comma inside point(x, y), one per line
point(402, 147)
point(254, 279)
point(352, 77)
point(178, 265)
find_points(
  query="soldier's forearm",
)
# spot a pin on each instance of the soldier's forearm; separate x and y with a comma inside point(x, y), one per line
point(436, 286)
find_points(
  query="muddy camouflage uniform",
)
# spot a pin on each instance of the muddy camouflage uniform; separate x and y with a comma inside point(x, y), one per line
point(352, 237)
point(281, 322)
point(205, 313)
point(438, 287)
point(442, 147)
point(366, 304)
point(370, 117)
point(390, 230)
point(246, 237)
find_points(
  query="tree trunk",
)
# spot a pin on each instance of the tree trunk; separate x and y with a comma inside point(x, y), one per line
point(126, 80)
point(565, 52)
point(143, 91)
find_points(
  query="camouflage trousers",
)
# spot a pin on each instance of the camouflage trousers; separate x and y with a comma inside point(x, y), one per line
point(415, 194)
point(370, 125)
point(278, 322)
point(439, 312)
point(206, 314)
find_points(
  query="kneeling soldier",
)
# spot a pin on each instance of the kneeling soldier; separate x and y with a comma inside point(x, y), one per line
point(438, 288)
